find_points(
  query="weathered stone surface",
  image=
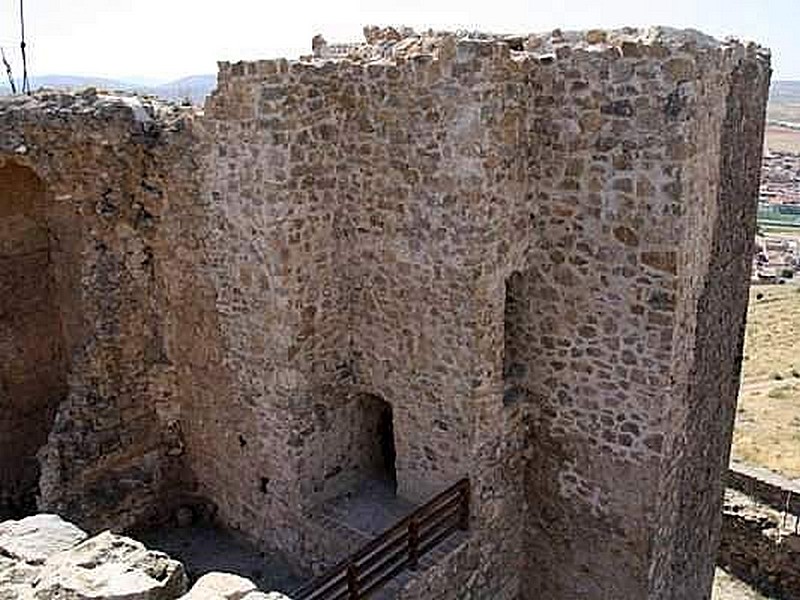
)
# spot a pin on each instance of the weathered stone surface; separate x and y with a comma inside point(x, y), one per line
point(53, 560)
point(34, 539)
point(110, 567)
point(17, 579)
point(84, 303)
point(220, 586)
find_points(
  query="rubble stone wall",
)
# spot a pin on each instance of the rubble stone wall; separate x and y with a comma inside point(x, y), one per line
point(760, 545)
point(104, 460)
point(765, 486)
point(628, 199)
point(269, 359)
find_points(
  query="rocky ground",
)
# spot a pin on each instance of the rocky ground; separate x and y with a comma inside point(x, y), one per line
point(45, 558)
point(203, 548)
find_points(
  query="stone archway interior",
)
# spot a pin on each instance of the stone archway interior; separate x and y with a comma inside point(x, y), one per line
point(32, 372)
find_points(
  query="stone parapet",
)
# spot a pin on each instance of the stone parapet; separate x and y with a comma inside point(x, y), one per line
point(766, 486)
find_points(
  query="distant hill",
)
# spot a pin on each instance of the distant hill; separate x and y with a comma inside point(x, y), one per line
point(194, 88)
point(782, 92)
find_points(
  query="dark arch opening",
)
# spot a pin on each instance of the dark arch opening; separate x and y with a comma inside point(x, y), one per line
point(32, 373)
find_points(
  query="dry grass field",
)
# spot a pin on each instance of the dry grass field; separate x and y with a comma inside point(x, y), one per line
point(784, 101)
point(784, 105)
point(784, 110)
point(782, 139)
point(767, 429)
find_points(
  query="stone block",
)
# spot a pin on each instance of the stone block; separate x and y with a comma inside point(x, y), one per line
point(111, 567)
point(34, 539)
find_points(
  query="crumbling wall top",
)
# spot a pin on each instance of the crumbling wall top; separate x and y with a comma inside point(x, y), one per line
point(92, 104)
point(397, 45)
point(50, 119)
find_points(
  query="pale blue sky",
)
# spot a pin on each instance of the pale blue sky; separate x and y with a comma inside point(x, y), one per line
point(165, 39)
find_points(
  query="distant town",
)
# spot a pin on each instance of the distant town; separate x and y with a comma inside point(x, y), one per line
point(777, 258)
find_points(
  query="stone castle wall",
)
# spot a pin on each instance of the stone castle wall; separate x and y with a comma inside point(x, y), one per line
point(103, 192)
point(33, 377)
point(534, 249)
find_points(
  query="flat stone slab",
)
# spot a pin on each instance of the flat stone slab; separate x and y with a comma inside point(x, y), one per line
point(34, 539)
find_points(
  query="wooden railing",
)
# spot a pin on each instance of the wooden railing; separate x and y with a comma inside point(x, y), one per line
point(395, 550)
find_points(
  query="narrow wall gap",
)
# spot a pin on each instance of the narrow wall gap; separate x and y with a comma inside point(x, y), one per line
point(386, 442)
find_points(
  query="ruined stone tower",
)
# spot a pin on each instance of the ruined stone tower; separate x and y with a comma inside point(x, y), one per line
point(523, 260)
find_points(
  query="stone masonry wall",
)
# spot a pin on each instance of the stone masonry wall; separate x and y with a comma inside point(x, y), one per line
point(702, 435)
point(765, 486)
point(104, 462)
point(533, 248)
point(625, 165)
point(276, 347)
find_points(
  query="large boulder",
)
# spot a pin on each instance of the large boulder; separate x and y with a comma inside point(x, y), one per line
point(225, 586)
point(220, 586)
point(110, 567)
point(35, 539)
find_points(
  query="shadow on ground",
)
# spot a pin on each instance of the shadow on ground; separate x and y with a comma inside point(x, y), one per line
point(204, 548)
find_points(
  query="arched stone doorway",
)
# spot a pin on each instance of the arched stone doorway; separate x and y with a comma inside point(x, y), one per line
point(32, 364)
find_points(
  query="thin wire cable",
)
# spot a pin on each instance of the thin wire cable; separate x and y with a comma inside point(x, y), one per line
point(26, 86)
point(8, 71)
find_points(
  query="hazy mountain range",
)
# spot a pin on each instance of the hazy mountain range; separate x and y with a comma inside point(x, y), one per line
point(784, 104)
point(785, 92)
point(194, 88)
